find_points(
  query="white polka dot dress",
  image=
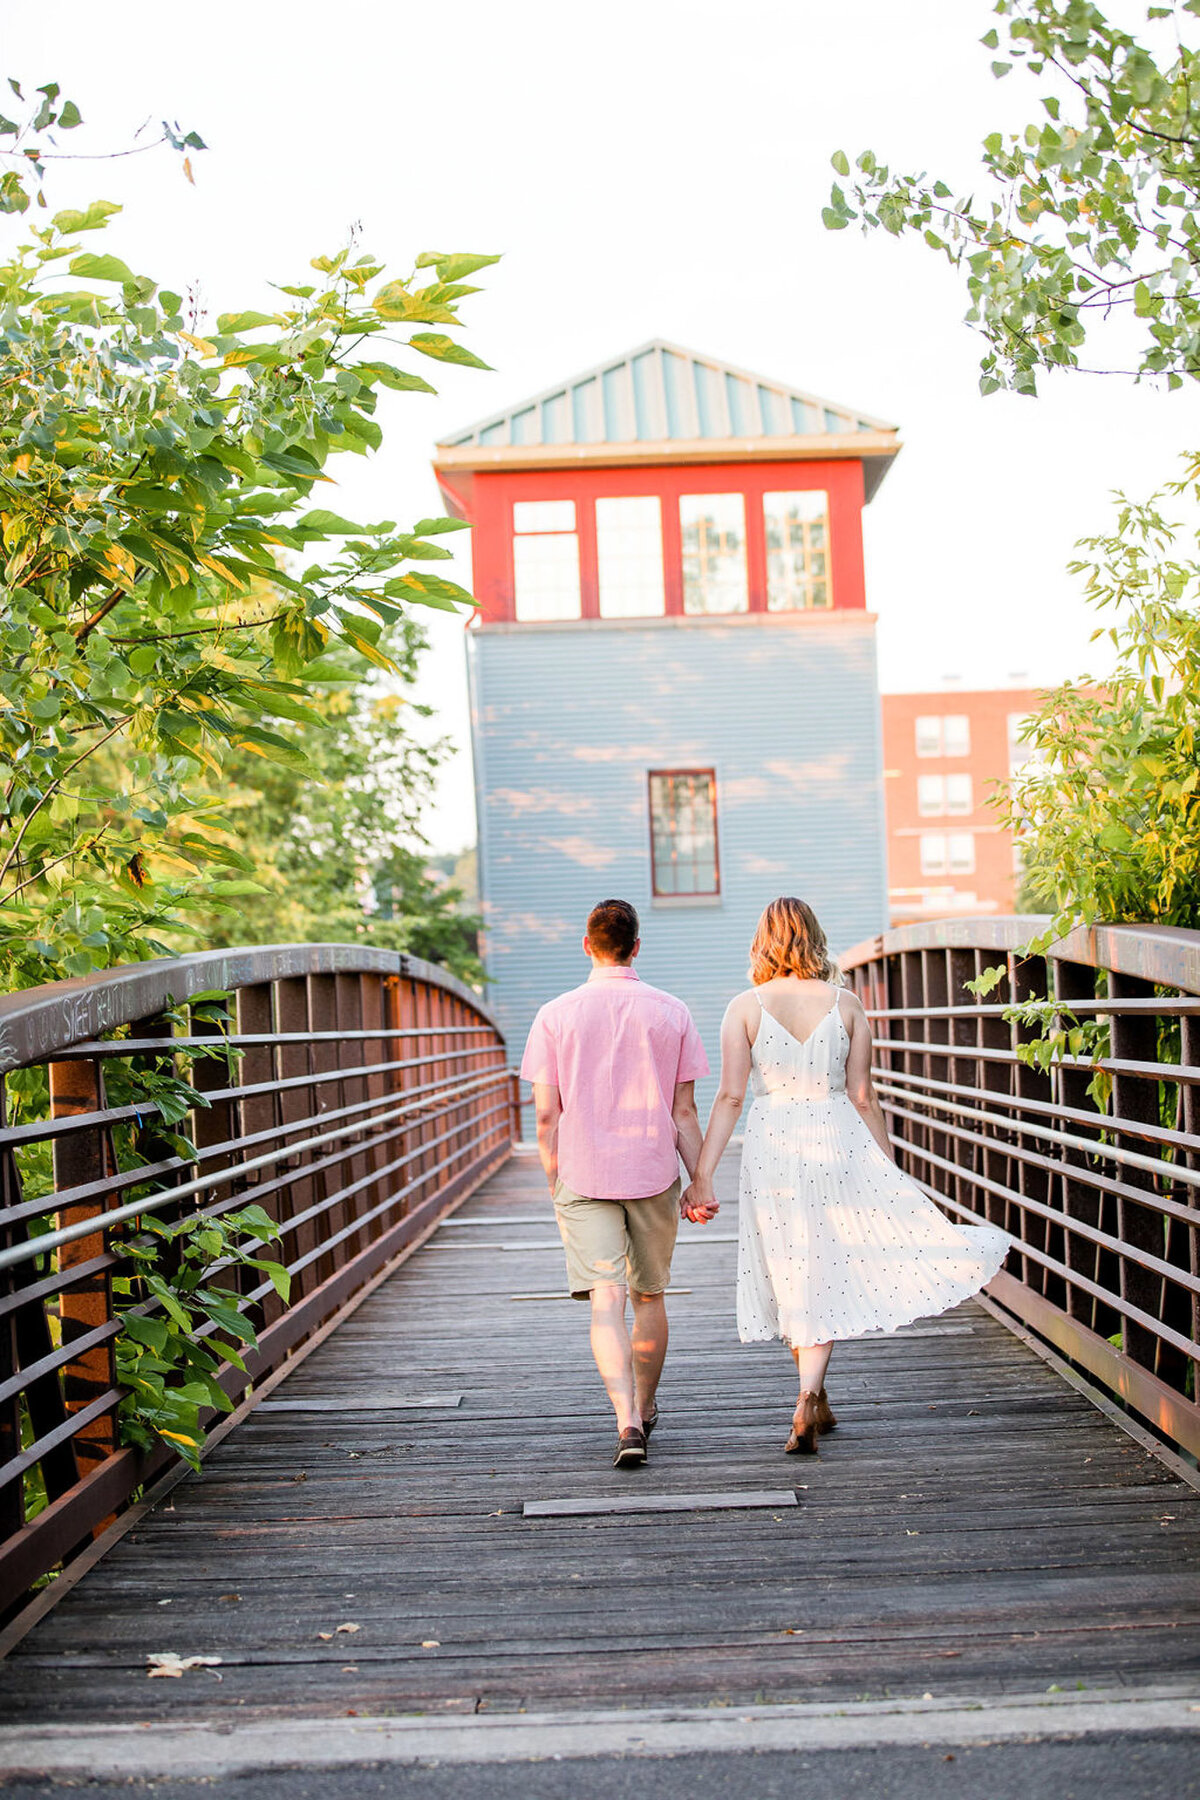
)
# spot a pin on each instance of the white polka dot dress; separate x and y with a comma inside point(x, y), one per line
point(834, 1239)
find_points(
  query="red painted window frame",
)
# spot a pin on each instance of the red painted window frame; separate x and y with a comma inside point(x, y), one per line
point(487, 498)
point(658, 893)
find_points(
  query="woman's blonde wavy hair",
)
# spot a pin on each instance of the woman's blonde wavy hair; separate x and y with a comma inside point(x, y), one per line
point(789, 941)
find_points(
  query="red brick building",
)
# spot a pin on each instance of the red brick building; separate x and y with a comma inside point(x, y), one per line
point(944, 756)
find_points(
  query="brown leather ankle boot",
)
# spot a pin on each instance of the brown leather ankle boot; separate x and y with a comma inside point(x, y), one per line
point(803, 1439)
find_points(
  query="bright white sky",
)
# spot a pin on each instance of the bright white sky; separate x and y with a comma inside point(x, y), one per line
point(647, 169)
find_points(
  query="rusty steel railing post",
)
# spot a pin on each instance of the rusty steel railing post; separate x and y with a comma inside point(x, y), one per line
point(77, 1089)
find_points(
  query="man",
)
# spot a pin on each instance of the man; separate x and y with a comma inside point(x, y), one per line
point(613, 1065)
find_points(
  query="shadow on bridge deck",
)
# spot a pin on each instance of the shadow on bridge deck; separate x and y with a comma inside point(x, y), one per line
point(974, 1526)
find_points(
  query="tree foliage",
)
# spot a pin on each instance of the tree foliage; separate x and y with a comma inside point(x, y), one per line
point(1108, 808)
point(1094, 214)
point(170, 580)
point(338, 852)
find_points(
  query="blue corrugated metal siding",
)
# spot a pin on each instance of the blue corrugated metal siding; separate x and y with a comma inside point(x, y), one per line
point(568, 721)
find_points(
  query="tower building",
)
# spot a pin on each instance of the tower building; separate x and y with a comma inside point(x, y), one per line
point(672, 670)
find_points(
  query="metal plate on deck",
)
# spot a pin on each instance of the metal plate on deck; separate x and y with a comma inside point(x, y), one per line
point(761, 1499)
point(373, 1403)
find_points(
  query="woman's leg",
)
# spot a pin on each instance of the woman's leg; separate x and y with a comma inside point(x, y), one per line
point(812, 1360)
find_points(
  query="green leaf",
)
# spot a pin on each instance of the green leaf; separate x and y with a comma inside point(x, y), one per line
point(435, 527)
point(101, 268)
point(69, 116)
point(841, 162)
point(453, 268)
point(92, 218)
point(444, 349)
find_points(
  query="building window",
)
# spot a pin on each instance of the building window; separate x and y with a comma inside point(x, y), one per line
point(931, 795)
point(933, 853)
point(630, 557)
point(929, 735)
point(714, 553)
point(683, 832)
point(946, 735)
point(545, 560)
point(960, 795)
point(960, 853)
point(956, 735)
point(797, 529)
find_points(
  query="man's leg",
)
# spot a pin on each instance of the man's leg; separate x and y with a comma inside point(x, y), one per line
point(649, 1348)
point(613, 1351)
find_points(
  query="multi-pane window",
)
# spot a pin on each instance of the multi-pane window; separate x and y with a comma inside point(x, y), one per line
point(946, 734)
point(683, 832)
point(956, 735)
point(931, 795)
point(797, 531)
point(714, 553)
point(960, 852)
point(929, 735)
point(933, 853)
point(630, 556)
point(545, 560)
point(960, 796)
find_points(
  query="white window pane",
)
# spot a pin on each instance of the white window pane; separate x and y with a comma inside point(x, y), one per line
point(933, 853)
point(714, 553)
point(961, 851)
point(683, 832)
point(629, 557)
point(960, 796)
point(797, 534)
point(931, 795)
point(546, 577)
point(929, 735)
point(956, 734)
point(543, 515)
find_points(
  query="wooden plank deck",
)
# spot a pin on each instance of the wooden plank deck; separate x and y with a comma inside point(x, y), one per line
point(974, 1526)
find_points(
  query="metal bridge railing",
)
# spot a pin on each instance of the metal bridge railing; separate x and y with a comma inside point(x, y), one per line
point(357, 1096)
point(1104, 1204)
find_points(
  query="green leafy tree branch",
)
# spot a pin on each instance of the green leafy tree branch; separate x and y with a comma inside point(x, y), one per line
point(1094, 214)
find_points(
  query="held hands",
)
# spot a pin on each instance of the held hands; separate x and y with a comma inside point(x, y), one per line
point(698, 1203)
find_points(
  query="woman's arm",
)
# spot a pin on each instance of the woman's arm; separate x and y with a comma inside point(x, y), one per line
point(735, 1072)
point(859, 1085)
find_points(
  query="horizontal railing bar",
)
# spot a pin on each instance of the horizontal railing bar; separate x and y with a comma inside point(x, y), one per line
point(61, 1434)
point(1073, 1277)
point(1065, 1140)
point(48, 1285)
point(1145, 1259)
point(67, 1353)
point(1148, 1198)
point(1155, 1134)
point(106, 1117)
point(51, 1240)
point(1011, 1058)
point(325, 1205)
point(234, 1040)
point(1174, 1005)
point(125, 1178)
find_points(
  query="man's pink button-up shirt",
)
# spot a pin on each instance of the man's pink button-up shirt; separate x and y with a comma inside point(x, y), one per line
point(615, 1049)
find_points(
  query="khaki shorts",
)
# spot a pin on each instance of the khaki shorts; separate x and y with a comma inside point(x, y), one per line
point(626, 1241)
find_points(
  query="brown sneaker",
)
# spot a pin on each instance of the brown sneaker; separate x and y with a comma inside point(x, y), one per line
point(631, 1449)
point(825, 1418)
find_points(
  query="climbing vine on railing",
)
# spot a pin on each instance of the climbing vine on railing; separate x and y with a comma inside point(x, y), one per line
point(1058, 1033)
point(169, 1360)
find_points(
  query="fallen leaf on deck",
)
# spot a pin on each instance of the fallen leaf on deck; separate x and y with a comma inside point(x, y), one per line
point(325, 1636)
point(431, 1643)
point(169, 1662)
point(349, 1627)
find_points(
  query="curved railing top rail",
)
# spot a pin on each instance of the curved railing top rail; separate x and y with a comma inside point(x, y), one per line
point(1165, 954)
point(38, 1022)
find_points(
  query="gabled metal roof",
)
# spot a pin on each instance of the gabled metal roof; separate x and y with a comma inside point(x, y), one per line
point(662, 393)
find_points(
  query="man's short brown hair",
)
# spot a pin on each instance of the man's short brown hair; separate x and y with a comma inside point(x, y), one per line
point(613, 929)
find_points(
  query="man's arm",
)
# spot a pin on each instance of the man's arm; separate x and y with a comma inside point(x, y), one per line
point(547, 1104)
point(688, 1135)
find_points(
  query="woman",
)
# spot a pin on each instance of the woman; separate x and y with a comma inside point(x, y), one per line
point(834, 1239)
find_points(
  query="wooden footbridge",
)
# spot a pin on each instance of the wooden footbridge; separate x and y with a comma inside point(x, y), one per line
point(406, 1545)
